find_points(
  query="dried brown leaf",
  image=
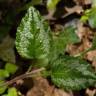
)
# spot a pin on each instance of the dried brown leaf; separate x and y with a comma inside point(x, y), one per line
point(43, 88)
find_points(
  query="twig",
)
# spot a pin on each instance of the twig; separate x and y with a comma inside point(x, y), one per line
point(22, 77)
point(83, 53)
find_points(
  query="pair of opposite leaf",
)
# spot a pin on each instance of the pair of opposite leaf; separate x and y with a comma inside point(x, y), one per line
point(35, 41)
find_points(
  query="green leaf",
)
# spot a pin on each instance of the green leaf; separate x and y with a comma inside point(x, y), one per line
point(3, 88)
point(59, 43)
point(93, 3)
point(90, 16)
point(7, 50)
point(11, 68)
point(4, 73)
point(70, 35)
point(84, 18)
point(72, 73)
point(12, 92)
point(86, 15)
point(32, 38)
point(51, 4)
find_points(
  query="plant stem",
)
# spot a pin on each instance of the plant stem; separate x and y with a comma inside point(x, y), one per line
point(83, 53)
point(29, 74)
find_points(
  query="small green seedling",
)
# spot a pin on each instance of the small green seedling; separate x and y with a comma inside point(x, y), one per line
point(35, 41)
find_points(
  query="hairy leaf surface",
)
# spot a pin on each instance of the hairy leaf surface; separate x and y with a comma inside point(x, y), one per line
point(72, 73)
point(32, 38)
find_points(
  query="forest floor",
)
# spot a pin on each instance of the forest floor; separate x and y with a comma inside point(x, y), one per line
point(67, 12)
